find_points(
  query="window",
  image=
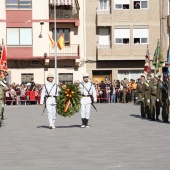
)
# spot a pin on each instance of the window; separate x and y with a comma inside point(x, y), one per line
point(19, 36)
point(66, 77)
point(140, 4)
point(140, 36)
point(19, 4)
point(26, 77)
point(123, 4)
point(60, 31)
point(103, 5)
point(122, 36)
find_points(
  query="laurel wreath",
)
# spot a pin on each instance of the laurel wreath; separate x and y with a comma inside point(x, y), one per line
point(68, 101)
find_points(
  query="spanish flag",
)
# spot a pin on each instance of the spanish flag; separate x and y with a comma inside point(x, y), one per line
point(52, 43)
point(60, 42)
point(4, 59)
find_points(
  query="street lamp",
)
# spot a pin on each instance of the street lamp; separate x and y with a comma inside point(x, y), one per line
point(41, 23)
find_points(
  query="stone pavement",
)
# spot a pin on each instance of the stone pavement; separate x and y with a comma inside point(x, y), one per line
point(118, 139)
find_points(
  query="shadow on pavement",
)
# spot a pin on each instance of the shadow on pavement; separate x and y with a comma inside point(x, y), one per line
point(139, 117)
point(71, 126)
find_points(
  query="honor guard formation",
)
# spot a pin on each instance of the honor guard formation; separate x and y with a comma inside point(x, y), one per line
point(154, 93)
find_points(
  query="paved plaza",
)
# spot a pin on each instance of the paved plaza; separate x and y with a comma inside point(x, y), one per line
point(118, 139)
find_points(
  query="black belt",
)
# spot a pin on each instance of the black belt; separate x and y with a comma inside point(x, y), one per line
point(153, 94)
point(50, 96)
point(86, 95)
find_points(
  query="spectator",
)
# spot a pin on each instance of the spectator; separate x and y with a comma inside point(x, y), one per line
point(23, 94)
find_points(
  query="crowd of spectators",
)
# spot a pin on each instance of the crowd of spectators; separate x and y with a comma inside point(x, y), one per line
point(20, 94)
point(107, 92)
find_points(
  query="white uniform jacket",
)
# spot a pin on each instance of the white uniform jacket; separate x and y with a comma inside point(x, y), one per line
point(84, 88)
point(52, 90)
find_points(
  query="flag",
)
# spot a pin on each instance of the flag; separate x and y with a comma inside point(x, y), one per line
point(168, 60)
point(60, 42)
point(3, 62)
point(158, 58)
point(147, 66)
point(52, 43)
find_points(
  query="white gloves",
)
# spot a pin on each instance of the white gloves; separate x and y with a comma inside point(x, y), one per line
point(143, 98)
point(136, 97)
point(157, 100)
point(148, 100)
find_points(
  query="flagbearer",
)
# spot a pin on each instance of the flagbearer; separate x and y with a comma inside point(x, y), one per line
point(48, 97)
point(88, 91)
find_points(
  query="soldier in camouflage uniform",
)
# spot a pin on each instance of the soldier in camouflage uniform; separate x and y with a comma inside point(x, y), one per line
point(145, 95)
point(154, 97)
point(139, 95)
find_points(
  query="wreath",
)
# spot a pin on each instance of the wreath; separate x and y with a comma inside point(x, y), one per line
point(68, 101)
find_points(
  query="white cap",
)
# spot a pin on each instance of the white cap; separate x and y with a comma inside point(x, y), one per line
point(50, 75)
point(85, 75)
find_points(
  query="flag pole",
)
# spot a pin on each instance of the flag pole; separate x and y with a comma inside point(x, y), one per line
point(55, 47)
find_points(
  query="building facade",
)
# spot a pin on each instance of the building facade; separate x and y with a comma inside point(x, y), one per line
point(106, 38)
point(118, 34)
point(26, 26)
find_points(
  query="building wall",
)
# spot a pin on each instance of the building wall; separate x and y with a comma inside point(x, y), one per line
point(129, 18)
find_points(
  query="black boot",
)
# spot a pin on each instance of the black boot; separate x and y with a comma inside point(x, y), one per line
point(87, 123)
point(83, 123)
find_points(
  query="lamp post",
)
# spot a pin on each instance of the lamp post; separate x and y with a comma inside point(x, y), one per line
point(41, 23)
point(55, 47)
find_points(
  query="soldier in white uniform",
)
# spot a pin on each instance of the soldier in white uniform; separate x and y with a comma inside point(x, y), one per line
point(87, 90)
point(49, 92)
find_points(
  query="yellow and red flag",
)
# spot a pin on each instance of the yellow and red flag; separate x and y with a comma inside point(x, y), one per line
point(60, 42)
point(52, 43)
point(3, 61)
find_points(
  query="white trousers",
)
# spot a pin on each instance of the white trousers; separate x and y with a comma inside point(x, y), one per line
point(85, 110)
point(51, 113)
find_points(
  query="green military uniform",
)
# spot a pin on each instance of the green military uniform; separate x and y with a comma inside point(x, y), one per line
point(124, 92)
point(165, 101)
point(145, 97)
point(139, 96)
point(159, 103)
point(154, 95)
point(1, 103)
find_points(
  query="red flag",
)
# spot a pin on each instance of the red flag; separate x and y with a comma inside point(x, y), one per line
point(147, 66)
point(4, 59)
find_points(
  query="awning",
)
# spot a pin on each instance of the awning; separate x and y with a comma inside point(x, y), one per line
point(62, 2)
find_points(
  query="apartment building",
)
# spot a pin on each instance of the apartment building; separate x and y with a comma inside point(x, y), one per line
point(118, 33)
point(25, 26)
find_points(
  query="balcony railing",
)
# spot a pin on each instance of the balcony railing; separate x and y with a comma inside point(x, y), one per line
point(104, 45)
point(104, 11)
point(64, 14)
point(68, 51)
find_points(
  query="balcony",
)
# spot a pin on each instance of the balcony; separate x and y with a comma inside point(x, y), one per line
point(64, 14)
point(104, 17)
point(68, 52)
point(104, 51)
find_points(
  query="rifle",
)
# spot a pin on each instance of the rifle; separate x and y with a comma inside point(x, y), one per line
point(45, 98)
point(92, 103)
